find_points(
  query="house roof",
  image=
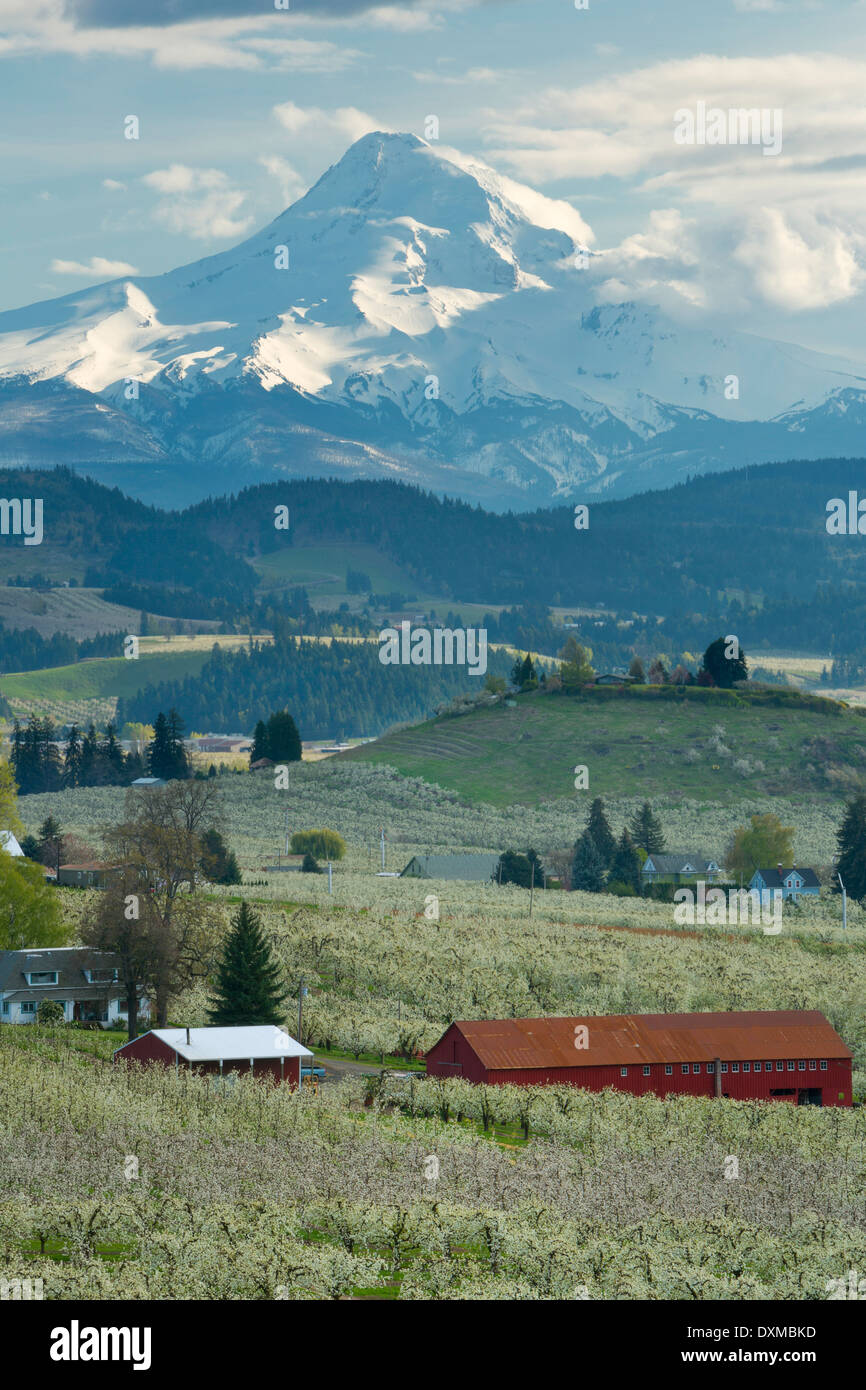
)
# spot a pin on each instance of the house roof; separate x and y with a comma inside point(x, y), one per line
point(70, 962)
point(90, 864)
point(675, 863)
point(474, 867)
point(773, 879)
point(229, 1044)
point(621, 1039)
point(10, 844)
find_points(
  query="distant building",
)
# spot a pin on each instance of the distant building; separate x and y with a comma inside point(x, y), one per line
point(83, 981)
point(679, 868)
point(92, 874)
point(149, 782)
point(261, 764)
point(10, 844)
point(262, 1050)
point(789, 1055)
point(790, 884)
point(468, 868)
point(611, 678)
point(289, 864)
point(219, 745)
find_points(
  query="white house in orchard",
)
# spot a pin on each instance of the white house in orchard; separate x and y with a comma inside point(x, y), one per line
point(84, 982)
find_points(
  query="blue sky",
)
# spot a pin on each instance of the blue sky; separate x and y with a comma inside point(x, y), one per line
point(242, 107)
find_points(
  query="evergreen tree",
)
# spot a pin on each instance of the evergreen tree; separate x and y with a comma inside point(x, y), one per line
point(523, 673)
point(587, 868)
point(851, 840)
point(646, 830)
point(249, 988)
point(218, 862)
point(599, 828)
point(260, 745)
point(284, 741)
point(514, 868)
point(72, 760)
point(166, 755)
point(625, 868)
point(724, 670)
point(310, 864)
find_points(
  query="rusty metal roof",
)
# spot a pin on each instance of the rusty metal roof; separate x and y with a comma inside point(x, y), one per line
point(619, 1039)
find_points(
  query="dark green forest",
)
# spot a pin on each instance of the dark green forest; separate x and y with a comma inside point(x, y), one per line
point(338, 690)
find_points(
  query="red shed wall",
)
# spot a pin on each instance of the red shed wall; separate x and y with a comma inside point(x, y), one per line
point(833, 1083)
point(152, 1049)
point(452, 1056)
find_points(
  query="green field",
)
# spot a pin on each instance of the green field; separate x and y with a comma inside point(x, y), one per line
point(710, 750)
point(93, 687)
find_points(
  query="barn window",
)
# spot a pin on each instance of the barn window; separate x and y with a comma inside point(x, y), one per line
point(790, 1066)
point(668, 1069)
point(724, 1066)
point(823, 1066)
point(780, 1066)
point(747, 1066)
point(696, 1068)
point(623, 1071)
point(812, 1066)
point(685, 1068)
point(646, 1071)
point(735, 1066)
point(801, 1066)
point(710, 1068)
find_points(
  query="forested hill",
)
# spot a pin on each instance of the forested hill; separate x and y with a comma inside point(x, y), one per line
point(337, 689)
point(760, 530)
point(757, 531)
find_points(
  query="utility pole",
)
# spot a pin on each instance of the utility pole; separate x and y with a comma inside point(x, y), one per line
point(532, 888)
point(844, 902)
point(287, 832)
point(330, 878)
point(300, 1006)
point(383, 849)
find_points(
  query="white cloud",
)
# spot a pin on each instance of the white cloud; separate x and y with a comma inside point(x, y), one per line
point(198, 202)
point(113, 185)
point(292, 185)
point(805, 267)
point(346, 120)
point(98, 269)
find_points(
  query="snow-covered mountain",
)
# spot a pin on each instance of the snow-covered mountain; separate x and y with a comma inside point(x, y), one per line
point(414, 315)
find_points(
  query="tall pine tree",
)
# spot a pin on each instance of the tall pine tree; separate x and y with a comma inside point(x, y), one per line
point(625, 868)
point(587, 868)
point(249, 988)
point(599, 828)
point(646, 830)
point(851, 840)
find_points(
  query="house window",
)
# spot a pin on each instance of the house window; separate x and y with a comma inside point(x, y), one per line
point(790, 1066)
point(28, 1006)
point(685, 1068)
point(668, 1069)
point(724, 1066)
point(747, 1066)
point(5, 1006)
point(42, 977)
point(801, 1066)
point(101, 977)
point(823, 1066)
point(735, 1066)
point(646, 1071)
point(812, 1066)
point(623, 1071)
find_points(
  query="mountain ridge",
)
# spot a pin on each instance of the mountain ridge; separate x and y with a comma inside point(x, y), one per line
point(414, 315)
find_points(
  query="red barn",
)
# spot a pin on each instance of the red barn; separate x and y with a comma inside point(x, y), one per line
point(263, 1050)
point(787, 1055)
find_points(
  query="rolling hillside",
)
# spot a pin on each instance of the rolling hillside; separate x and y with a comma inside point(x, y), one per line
point(716, 749)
